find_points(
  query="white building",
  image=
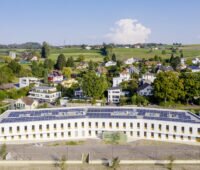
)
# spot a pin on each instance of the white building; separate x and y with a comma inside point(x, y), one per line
point(88, 48)
point(114, 94)
point(44, 93)
point(25, 103)
point(12, 55)
point(194, 68)
point(130, 61)
point(26, 81)
point(145, 90)
point(196, 61)
point(124, 76)
point(148, 77)
point(110, 63)
point(81, 123)
point(55, 77)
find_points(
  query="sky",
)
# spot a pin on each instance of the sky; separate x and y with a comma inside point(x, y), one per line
point(62, 22)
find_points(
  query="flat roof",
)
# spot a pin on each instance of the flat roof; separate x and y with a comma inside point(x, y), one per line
point(14, 116)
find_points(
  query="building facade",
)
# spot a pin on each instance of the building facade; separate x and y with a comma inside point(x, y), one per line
point(45, 93)
point(92, 122)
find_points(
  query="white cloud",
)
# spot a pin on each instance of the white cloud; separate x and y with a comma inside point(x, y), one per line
point(128, 31)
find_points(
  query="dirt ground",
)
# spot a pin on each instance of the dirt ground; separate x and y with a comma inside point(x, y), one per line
point(138, 150)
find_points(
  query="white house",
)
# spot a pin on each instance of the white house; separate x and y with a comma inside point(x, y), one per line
point(148, 77)
point(25, 103)
point(110, 63)
point(145, 90)
point(88, 48)
point(12, 55)
point(26, 81)
point(82, 123)
point(117, 81)
point(196, 61)
point(114, 94)
point(55, 77)
point(45, 93)
point(194, 68)
point(125, 75)
point(78, 93)
point(129, 61)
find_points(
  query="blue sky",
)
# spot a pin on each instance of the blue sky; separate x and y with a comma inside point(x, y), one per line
point(94, 21)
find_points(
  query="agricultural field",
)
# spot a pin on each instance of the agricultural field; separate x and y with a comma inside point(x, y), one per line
point(189, 51)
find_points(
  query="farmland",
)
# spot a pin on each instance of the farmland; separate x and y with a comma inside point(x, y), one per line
point(189, 51)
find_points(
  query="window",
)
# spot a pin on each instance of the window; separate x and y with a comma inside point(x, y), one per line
point(160, 127)
point(34, 135)
point(82, 124)
point(96, 132)
point(55, 135)
point(12, 137)
point(18, 129)
point(124, 125)
point(190, 130)
point(145, 134)
point(182, 129)
point(167, 127)
point(40, 127)
point(145, 125)
point(117, 124)
point(189, 137)
point(20, 136)
point(69, 134)
point(175, 128)
point(174, 136)
point(131, 133)
point(33, 128)
point(5, 137)
point(90, 124)
point(103, 124)
point(167, 136)
point(26, 136)
point(48, 135)
point(54, 126)
point(25, 128)
point(152, 126)
point(10, 129)
point(61, 125)
point(69, 125)
point(76, 125)
point(110, 124)
point(62, 134)
point(152, 134)
point(2, 130)
point(138, 134)
point(181, 137)
point(198, 130)
point(41, 135)
point(159, 135)
point(138, 125)
point(47, 126)
point(96, 124)
point(89, 132)
point(131, 125)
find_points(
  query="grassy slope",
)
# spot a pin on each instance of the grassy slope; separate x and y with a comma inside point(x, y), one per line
point(189, 51)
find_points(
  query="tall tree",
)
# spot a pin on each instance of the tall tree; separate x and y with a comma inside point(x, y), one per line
point(48, 64)
point(15, 67)
point(61, 62)
point(45, 51)
point(114, 58)
point(67, 72)
point(91, 65)
point(93, 85)
point(70, 62)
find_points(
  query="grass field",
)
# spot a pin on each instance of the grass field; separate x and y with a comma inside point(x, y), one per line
point(189, 51)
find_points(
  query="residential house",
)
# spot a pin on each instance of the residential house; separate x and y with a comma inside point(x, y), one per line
point(148, 77)
point(164, 68)
point(25, 103)
point(45, 93)
point(194, 68)
point(12, 55)
point(117, 81)
point(55, 77)
point(130, 61)
point(82, 65)
point(110, 63)
point(145, 90)
point(26, 81)
point(69, 82)
point(196, 61)
point(78, 93)
point(125, 75)
point(133, 69)
point(114, 94)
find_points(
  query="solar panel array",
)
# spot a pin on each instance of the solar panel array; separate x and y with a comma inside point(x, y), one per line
point(116, 113)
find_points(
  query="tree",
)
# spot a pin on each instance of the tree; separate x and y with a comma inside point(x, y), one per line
point(45, 51)
point(70, 62)
point(93, 85)
point(61, 62)
point(81, 58)
point(62, 163)
point(114, 58)
point(46, 76)
point(91, 65)
point(115, 163)
point(37, 69)
point(48, 64)
point(67, 72)
point(3, 151)
point(175, 62)
point(168, 87)
point(6, 75)
point(15, 67)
